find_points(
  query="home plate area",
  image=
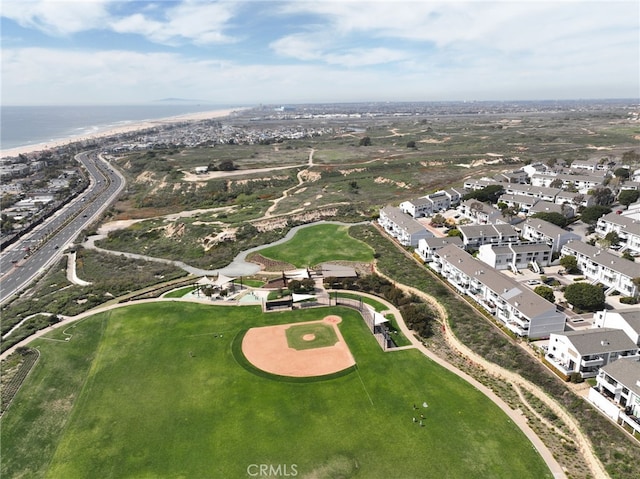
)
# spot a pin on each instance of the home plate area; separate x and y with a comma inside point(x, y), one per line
point(314, 348)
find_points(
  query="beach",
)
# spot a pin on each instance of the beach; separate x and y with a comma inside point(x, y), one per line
point(129, 128)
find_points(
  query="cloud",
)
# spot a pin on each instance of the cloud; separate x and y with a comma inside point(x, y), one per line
point(189, 21)
point(56, 76)
point(53, 18)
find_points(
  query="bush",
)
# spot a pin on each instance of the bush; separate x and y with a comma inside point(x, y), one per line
point(585, 296)
point(629, 300)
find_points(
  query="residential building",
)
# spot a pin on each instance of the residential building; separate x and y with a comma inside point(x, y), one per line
point(627, 229)
point(516, 307)
point(402, 227)
point(539, 192)
point(617, 392)
point(585, 351)
point(474, 184)
point(481, 213)
point(475, 235)
point(515, 256)
point(428, 246)
point(627, 321)
point(581, 183)
point(600, 266)
point(564, 209)
point(523, 203)
point(429, 204)
point(417, 207)
point(535, 229)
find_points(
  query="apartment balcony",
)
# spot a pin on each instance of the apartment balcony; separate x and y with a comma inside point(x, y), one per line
point(558, 364)
point(589, 363)
point(517, 328)
point(520, 322)
point(613, 389)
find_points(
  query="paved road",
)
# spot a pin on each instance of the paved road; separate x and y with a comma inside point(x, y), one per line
point(28, 258)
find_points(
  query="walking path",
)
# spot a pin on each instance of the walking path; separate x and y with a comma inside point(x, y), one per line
point(240, 267)
point(517, 417)
point(71, 271)
point(582, 443)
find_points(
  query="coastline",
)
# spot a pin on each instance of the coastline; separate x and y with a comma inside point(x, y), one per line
point(129, 128)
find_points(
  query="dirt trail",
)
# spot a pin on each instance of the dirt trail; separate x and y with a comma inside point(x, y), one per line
point(582, 443)
point(285, 193)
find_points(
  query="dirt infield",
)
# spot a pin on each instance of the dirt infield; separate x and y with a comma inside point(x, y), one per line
point(267, 349)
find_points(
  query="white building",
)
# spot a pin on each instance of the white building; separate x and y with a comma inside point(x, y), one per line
point(585, 351)
point(617, 392)
point(518, 308)
point(428, 246)
point(473, 236)
point(600, 266)
point(515, 256)
point(402, 227)
point(627, 321)
point(627, 229)
point(535, 229)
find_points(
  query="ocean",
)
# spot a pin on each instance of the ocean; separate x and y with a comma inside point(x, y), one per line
point(30, 125)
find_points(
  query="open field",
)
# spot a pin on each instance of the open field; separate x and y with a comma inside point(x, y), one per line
point(317, 244)
point(154, 390)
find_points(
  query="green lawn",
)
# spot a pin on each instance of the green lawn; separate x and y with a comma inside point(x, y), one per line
point(154, 390)
point(317, 244)
point(324, 336)
point(179, 293)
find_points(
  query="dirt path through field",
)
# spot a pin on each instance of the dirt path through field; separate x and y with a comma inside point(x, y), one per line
point(582, 443)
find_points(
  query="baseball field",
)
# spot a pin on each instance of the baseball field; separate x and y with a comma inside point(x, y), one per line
point(161, 390)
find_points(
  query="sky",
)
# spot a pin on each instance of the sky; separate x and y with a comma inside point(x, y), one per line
point(69, 52)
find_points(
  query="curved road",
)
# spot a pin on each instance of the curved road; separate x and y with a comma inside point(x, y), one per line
point(28, 258)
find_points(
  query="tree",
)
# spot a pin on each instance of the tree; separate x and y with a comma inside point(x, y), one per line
point(438, 220)
point(365, 141)
point(591, 214)
point(626, 197)
point(612, 237)
point(557, 219)
point(411, 144)
point(454, 232)
point(603, 196)
point(488, 194)
point(226, 165)
point(585, 296)
point(557, 183)
point(622, 173)
point(569, 263)
point(546, 292)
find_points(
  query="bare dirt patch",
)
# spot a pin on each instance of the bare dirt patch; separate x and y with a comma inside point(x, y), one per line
point(267, 349)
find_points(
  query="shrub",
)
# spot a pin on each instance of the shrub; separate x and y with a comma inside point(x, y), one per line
point(629, 300)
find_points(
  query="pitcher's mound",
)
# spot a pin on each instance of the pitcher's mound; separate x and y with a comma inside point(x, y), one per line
point(268, 349)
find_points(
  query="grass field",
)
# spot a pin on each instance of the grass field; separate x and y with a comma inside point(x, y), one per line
point(154, 390)
point(323, 336)
point(316, 244)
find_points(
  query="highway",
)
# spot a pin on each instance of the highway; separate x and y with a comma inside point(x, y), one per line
point(28, 258)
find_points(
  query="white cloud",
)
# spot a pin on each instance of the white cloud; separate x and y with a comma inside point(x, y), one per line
point(46, 76)
point(190, 21)
point(54, 17)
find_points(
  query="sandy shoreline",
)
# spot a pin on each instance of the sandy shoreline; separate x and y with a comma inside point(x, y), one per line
point(204, 115)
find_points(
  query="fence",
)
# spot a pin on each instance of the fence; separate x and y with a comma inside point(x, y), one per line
point(379, 332)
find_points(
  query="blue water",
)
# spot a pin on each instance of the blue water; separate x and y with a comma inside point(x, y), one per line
point(30, 125)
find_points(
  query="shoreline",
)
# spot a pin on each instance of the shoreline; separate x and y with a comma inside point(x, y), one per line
point(129, 128)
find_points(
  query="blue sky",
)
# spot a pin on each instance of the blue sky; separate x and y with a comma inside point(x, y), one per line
point(272, 52)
